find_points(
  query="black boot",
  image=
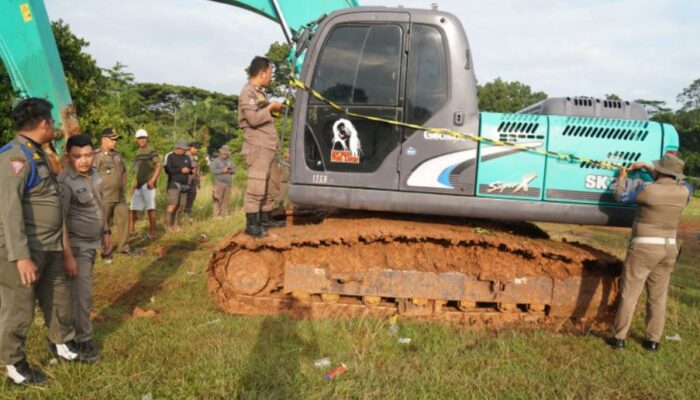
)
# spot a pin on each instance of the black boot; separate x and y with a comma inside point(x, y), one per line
point(267, 221)
point(21, 373)
point(252, 225)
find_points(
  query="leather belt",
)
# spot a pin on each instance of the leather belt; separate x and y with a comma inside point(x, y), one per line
point(654, 240)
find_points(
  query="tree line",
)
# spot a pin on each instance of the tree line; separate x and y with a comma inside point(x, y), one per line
point(113, 98)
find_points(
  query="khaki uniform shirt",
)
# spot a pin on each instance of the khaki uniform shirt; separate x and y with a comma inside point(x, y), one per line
point(82, 205)
point(31, 220)
point(660, 206)
point(112, 169)
point(256, 121)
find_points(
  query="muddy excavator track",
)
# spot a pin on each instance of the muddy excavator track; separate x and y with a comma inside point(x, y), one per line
point(357, 264)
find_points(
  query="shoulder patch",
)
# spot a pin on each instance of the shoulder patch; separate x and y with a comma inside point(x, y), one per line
point(17, 164)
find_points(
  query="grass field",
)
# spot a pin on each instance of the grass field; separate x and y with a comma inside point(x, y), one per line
point(192, 351)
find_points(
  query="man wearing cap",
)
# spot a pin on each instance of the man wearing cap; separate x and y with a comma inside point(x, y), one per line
point(223, 170)
point(143, 193)
point(259, 148)
point(194, 179)
point(178, 166)
point(110, 165)
point(652, 251)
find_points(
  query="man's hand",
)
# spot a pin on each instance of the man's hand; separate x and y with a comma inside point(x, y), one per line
point(27, 271)
point(185, 170)
point(151, 184)
point(227, 170)
point(70, 266)
point(623, 174)
point(640, 165)
point(275, 107)
point(106, 243)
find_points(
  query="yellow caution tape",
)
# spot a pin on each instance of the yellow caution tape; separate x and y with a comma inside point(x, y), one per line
point(494, 142)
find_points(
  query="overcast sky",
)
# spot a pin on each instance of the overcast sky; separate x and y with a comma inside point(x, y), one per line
point(634, 48)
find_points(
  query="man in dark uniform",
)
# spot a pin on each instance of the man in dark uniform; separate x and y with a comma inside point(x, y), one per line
point(110, 165)
point(85, 225)
point(31, 247)
point(653, 250)
point(259, 148)
point(195, 180)
point(178, 166)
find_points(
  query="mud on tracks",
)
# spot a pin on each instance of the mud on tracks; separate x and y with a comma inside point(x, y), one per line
point(347, 246)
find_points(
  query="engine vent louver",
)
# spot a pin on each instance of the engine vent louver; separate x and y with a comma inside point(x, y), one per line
point(515, 128)
point(628, 130)
point(624, 158)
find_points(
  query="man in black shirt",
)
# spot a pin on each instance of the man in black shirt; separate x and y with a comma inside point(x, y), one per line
point(178, 166)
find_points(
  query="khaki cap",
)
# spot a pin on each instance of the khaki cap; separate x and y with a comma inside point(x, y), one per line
point(670, 165)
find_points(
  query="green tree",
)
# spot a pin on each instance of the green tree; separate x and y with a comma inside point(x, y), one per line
point(507, 97)
point(84, 78)
point(612, 96)
point(6, 96)
point(687, 122)
point(655, 107)
point(690, 97)
point(278, 53)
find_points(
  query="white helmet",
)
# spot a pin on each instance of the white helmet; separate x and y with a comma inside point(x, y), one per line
point(141, 133)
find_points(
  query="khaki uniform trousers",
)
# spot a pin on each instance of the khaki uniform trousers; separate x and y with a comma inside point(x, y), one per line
point(647, 265)
point(221, 199)
point(81, 293)
point(263, 179)
point(117, 215)
point(17, 302)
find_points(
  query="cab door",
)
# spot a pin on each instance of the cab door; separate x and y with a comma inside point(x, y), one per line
point(360, 68)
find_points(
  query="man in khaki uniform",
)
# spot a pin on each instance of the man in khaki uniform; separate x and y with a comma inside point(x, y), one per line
point(111, 167)
point(85, 233)
point(31, 231)
point(259, 148)
point(652, 251)
point(223, 170)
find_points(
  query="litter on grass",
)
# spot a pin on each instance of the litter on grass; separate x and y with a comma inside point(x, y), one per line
point(335, 372)
point(674, 338)
point(324, 362)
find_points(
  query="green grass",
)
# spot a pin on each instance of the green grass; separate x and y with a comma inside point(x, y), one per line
point(193, 351)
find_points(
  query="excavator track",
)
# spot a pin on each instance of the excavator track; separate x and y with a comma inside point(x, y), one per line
point(358, 264)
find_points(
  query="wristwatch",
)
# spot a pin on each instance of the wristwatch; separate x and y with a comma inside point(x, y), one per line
point(107, 232)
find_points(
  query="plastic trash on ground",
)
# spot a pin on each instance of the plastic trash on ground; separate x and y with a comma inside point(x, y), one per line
point(324, 362)
point(336, 372)
point(674, 338)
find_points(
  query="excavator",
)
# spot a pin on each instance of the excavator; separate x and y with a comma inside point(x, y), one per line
point(425, 198)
